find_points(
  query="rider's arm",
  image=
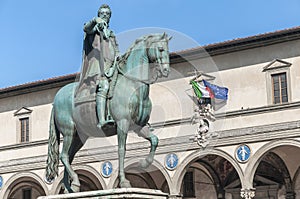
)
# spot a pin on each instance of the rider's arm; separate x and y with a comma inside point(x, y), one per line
point(93, 26)
point(90, 27)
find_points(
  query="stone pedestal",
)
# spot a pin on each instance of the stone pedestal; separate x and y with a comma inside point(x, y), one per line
point(128, 193)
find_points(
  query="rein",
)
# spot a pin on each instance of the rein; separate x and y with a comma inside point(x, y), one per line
point(136, 79)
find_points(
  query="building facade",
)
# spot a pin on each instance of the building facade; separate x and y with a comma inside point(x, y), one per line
point(252, 151)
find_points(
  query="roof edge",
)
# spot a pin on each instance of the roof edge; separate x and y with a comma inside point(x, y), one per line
point(237, 44)
point(37, 85)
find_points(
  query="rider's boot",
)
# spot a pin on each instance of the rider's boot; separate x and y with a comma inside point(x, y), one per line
point(101, 105)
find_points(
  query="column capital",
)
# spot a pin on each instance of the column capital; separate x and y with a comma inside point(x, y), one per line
point(290, 195)
point(247, 193)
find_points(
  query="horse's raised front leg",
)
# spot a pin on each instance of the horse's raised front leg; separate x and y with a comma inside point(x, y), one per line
point(65, 158)
point(123, 126)
point(146, 133)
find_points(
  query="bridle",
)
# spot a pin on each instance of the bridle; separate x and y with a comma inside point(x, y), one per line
point(159, 59)
point(158, 64)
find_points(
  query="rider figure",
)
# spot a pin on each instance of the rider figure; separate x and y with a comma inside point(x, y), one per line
point(100, 53)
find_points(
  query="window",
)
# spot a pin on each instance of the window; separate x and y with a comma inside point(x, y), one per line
point(24, 125)
point(279, 83)
point(26, 194)
point(188, 184)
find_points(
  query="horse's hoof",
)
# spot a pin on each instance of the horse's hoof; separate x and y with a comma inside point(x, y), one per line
point(66, 191)
point(125, 184)
point(75, 188)
point(145, 163)
point(66, 188)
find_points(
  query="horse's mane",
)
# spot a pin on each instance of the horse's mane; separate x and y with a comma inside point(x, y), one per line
point(138, 41)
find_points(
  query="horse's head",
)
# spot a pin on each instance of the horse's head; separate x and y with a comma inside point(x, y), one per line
point(144, 51)
point(158, 53)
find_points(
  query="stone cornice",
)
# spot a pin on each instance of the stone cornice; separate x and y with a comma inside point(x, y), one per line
point(287, 130)
point(259, 110)
point(23, 145)
point(236, 45)
point(185, 121)
point(271, 130)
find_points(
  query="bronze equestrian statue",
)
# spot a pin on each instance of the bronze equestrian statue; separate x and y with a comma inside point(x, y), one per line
point(75, 110)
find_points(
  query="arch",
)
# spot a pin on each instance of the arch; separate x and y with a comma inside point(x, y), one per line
point(128, 163)
point(23, 177)
point(259, 154)
point(214, 176)
point(180, 172)
point(296, 182)
point(145, 177)
point(85, 170)
point(201, 179)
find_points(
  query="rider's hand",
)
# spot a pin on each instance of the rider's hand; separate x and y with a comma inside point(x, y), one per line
point(118, 57)
point(100, 23)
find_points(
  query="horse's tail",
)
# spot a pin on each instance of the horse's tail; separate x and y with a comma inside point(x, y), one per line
point(53, 151)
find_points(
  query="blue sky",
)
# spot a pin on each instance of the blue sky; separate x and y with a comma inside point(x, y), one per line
point(42, 39)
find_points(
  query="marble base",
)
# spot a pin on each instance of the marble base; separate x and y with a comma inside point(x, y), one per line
point(129, 193)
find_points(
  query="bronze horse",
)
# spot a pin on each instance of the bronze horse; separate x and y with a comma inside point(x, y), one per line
point(130, 107)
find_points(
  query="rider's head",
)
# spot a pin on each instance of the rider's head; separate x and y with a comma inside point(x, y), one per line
point(104, 12)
